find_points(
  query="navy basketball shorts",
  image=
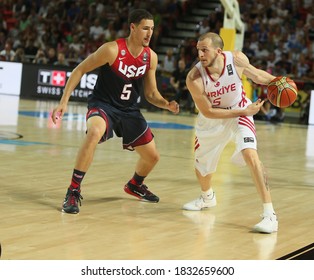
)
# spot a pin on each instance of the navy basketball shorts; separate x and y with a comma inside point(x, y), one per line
point(129, 124)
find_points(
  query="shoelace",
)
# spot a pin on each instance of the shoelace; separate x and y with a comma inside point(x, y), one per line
point(271, 217)
point(145, 189)
point(75, 195)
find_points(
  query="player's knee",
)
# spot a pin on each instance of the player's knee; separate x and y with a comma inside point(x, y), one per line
point(154, 157)
point(95, 132)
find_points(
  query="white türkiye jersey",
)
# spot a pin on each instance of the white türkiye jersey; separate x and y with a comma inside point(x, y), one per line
point(227, 91)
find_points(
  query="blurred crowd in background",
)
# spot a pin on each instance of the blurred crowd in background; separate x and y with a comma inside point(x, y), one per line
point(66, 31)
point(279, 34)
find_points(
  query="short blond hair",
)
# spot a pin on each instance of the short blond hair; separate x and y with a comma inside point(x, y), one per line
point(215, 39)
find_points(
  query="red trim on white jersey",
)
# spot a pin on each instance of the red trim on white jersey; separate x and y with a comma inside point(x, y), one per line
point(245, 121)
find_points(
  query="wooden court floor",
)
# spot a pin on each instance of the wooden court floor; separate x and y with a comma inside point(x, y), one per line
point(36, 162)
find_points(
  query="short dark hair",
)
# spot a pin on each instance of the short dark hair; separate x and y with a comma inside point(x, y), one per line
point(137, 15)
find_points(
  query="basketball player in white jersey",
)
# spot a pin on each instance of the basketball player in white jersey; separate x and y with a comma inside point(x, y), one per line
point(226, 114)
point(127, 67)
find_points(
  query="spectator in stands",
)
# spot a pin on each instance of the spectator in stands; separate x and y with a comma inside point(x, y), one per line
point(30, 48)
point(202, 27)
point(167, 67)
point(73, 11)
point(302, 67)
point(3, 24)
point(43, 9)
point(19, 8)
point(2, 40)
point(61, 61)
point(40, 57)
point(76, 44)
point(283, 66)
point(19, 55)
point(124, 31)
point(247, 50)
point(309, 35)
point(96, 31)
point(24, 22)
point(51, 55)
point(99, 6)
point(109, 33)
point(8, 53)
point(177, 81)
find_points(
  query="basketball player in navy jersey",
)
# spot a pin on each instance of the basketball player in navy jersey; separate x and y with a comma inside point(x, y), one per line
point(127, 66)
point(226, 114)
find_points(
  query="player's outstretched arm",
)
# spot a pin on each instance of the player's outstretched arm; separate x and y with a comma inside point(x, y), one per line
point(244, 66)
point(104, 54)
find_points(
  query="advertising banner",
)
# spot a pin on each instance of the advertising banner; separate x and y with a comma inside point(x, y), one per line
point(48, 81)
point(10, 78)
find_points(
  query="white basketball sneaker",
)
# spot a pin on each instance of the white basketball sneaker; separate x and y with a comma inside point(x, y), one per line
point(268, 224)
point(200, 203)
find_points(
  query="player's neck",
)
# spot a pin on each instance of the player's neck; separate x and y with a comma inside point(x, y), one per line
point(134, 48)
point(217, 65)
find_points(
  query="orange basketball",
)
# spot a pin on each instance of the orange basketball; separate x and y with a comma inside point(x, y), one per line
point(282, 92)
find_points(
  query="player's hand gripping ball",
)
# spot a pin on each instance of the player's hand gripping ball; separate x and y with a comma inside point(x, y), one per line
point(282, 92)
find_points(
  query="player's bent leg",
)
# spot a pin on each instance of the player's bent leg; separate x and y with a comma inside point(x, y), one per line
point(96, 127)
point(149, 157)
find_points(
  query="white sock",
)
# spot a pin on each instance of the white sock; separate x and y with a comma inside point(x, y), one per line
point(268, 209)
point(208, 194)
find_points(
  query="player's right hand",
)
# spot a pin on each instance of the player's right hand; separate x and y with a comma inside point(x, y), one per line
point(174, 107)
point(58, 113)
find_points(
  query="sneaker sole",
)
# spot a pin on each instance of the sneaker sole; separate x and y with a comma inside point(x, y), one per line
point(126, 189)
point(199, 209)
point(73, 212)
point(261, 230)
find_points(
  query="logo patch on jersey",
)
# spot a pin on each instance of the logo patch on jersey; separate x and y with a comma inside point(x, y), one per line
point(145, 56)
point(217, 84)
point(123, 52)
point(248, 139)
point(229, 69)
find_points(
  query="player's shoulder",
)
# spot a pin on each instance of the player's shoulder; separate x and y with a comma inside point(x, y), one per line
point(109, 48)
point(112, 45)
point(152, 53)
point(193, 74)
point(240, 59)
point(107, 51)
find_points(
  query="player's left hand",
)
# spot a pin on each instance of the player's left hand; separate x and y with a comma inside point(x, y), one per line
point(254, 108)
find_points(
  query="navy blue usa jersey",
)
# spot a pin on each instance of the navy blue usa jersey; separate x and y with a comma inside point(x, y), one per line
point(121, 84)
